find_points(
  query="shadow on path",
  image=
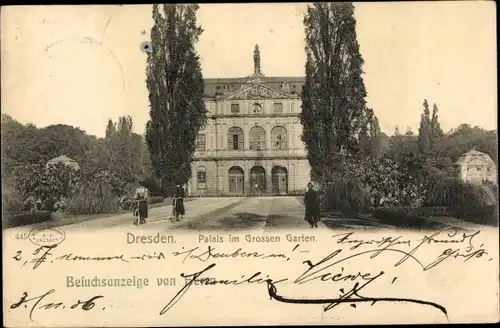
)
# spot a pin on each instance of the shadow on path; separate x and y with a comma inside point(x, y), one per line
point(233, 222)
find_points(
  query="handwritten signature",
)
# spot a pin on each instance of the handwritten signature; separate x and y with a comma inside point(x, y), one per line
point(322, 270)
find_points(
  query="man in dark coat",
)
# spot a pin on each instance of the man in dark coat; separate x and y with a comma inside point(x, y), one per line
point(311, 201)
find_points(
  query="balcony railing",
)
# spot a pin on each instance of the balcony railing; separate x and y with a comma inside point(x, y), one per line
point(250, 153)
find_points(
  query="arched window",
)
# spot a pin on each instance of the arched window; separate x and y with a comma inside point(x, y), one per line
point(235, 139)
point(201, 178)
point(257, 138)
point(257, 108)
point(278, 138)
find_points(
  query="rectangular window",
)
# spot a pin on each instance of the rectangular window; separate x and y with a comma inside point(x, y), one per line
point(235, 108)
point(278, 107)
point(258, 142)
point(280, 142)
point(202, 180)
point(478, 168)
point(488, 169)
point(237, 142)
point(201, 142)
point(202, 177)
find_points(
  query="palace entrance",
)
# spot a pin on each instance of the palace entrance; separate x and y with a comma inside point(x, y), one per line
point(279, 176)
point(236, 181)
point(258, 180)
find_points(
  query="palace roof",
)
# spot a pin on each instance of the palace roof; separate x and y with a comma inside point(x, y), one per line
point(224, 86)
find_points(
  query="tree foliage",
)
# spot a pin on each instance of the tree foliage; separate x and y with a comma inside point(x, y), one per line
point(334, 114)
point(26, 149)
point(175, 84)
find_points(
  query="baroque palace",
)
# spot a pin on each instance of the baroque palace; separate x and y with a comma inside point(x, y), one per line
point(251, 144)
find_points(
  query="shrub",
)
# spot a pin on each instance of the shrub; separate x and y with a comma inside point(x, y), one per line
point(26, 218)
point(12, 201)
point(96, 197)
point(347, 196)
point(415, 216)
point(398, 216)
point(482, 215)
point(126, 203)
point(152, 186)
point(46, 185)
point(410, 217)
point(453, 192)
point(155, 199)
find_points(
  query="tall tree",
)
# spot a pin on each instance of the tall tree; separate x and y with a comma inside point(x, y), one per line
point(437, 134)
point(333, 99)
point(175, 84)
point(425, 130)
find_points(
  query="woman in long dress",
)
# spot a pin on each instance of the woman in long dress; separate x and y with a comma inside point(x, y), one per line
point(311, 201)
point(141, 196)
point(179, 201)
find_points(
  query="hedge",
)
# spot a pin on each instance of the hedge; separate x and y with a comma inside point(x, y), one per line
point(415, 216)
point(155, 199)
point(25, 218)
point(401, 216)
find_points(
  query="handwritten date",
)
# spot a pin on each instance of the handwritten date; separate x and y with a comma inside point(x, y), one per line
point(42, 302)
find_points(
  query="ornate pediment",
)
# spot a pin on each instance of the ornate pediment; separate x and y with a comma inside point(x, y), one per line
point(257, 91)
point(479, 162)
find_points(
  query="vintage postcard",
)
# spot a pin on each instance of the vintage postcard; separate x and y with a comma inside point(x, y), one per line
point(249, 164)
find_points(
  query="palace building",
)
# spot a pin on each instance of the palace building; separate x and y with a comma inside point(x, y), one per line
point(251, 144)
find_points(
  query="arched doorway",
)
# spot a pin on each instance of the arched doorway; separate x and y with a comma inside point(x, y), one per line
point(279, 177)
point(258, 180)
point(236, 181)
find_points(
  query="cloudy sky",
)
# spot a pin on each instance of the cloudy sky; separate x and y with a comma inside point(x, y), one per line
point(81, 65)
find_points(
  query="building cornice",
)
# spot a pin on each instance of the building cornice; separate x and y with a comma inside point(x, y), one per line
point(243, 158)
point(272, 115)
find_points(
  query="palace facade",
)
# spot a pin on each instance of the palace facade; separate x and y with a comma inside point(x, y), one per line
point(251, 144)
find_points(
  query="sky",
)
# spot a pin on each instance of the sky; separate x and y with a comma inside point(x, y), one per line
point(81, 65)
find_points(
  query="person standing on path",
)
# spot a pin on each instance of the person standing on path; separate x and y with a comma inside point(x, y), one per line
point(178, 201)
point(311, 202)
point(141, 197)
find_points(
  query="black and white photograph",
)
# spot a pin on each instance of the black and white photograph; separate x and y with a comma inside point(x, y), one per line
point(362, 139)
point(299, 119)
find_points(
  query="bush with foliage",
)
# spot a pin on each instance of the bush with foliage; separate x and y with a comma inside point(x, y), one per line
point(410, 217)
point(92, 196)
point(92, 193)
point(153, 187)
point(21, 219)
point(12, 200)
point(346, 195)
point(40, 187)
point(453, 192)
point(416, 216)
point(155, 199)
point(388, 183)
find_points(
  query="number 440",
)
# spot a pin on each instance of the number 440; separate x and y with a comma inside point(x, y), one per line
point(22, 235)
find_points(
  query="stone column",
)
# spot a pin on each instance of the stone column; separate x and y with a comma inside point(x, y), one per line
point(267, 128)
point(269, 181)
point(246, 178)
